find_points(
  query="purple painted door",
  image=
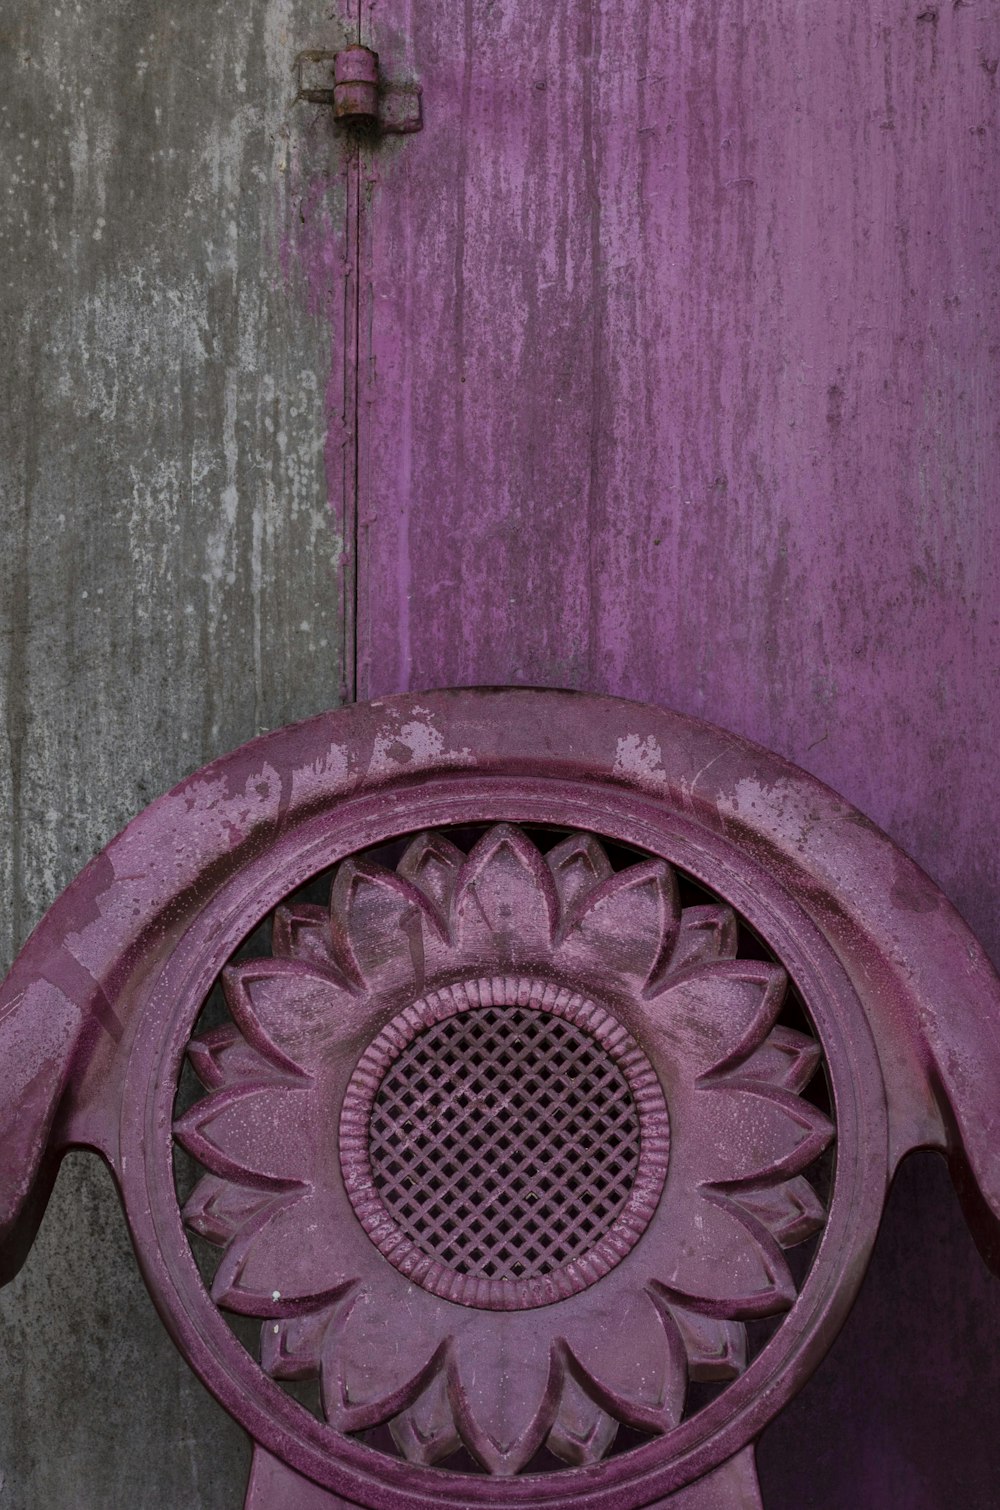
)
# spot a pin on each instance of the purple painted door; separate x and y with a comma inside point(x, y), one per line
point(677, 374)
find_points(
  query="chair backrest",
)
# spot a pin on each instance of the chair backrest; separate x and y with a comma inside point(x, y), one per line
point(529, 1068)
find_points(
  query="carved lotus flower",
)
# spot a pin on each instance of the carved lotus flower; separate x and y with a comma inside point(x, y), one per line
point(504, 1147)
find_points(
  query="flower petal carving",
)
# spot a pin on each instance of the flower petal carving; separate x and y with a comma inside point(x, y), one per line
point(716, 1349)
point(706, 934)
point(292, 1347)
point(379, 1354)
point(505, 903)
point(786, 1058)
point(217, 1209)
point(725, 1264)
point(751, 1133)
point(504, 1381)
point(291, 1012)
point(713, 1018)
point(578, 864)
point(252, 1134)
point(627, 1353)
point(222, 1058)
point(625, 927)
point(334, 1214)
point(381, 926)
point(302, 931)
point(431, 864)
point(791, 1211)
point(426, 1432)
point(582, 1432)
point(293, 1254)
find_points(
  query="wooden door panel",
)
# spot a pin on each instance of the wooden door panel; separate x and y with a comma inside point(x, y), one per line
point(679, 376)
point(478, 345)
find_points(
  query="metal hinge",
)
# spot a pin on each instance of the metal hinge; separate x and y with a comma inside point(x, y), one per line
point(349, 81)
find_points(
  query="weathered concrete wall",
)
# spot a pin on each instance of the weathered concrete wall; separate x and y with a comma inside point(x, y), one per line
point(169, 580)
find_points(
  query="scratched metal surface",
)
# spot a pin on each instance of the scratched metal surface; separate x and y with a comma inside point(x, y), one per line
point(169, 583)
point(679, 375)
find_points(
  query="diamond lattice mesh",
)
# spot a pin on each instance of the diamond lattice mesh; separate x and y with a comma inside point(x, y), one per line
point(504, 1141)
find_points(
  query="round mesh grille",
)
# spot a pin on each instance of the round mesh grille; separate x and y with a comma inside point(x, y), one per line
point(504, 1142)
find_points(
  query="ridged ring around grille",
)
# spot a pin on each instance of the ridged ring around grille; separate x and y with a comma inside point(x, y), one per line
point(504, 1142)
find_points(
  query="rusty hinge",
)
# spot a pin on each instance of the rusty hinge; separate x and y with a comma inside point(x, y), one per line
point(349, 80)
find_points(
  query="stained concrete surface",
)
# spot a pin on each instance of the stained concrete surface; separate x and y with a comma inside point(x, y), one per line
point(169, 585)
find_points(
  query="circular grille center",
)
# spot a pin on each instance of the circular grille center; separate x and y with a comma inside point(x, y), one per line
point(504, 1142)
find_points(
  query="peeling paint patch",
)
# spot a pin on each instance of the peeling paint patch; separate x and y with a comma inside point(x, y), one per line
point(640, 758)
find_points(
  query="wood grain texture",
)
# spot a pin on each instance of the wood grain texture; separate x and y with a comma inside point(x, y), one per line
point(682, 382)
point(170, 581)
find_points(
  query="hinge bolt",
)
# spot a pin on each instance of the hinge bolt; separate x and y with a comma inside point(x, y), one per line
point(355, 86)
point(349, 81)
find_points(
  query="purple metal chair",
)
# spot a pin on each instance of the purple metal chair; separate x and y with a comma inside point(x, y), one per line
point(502, 1088)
